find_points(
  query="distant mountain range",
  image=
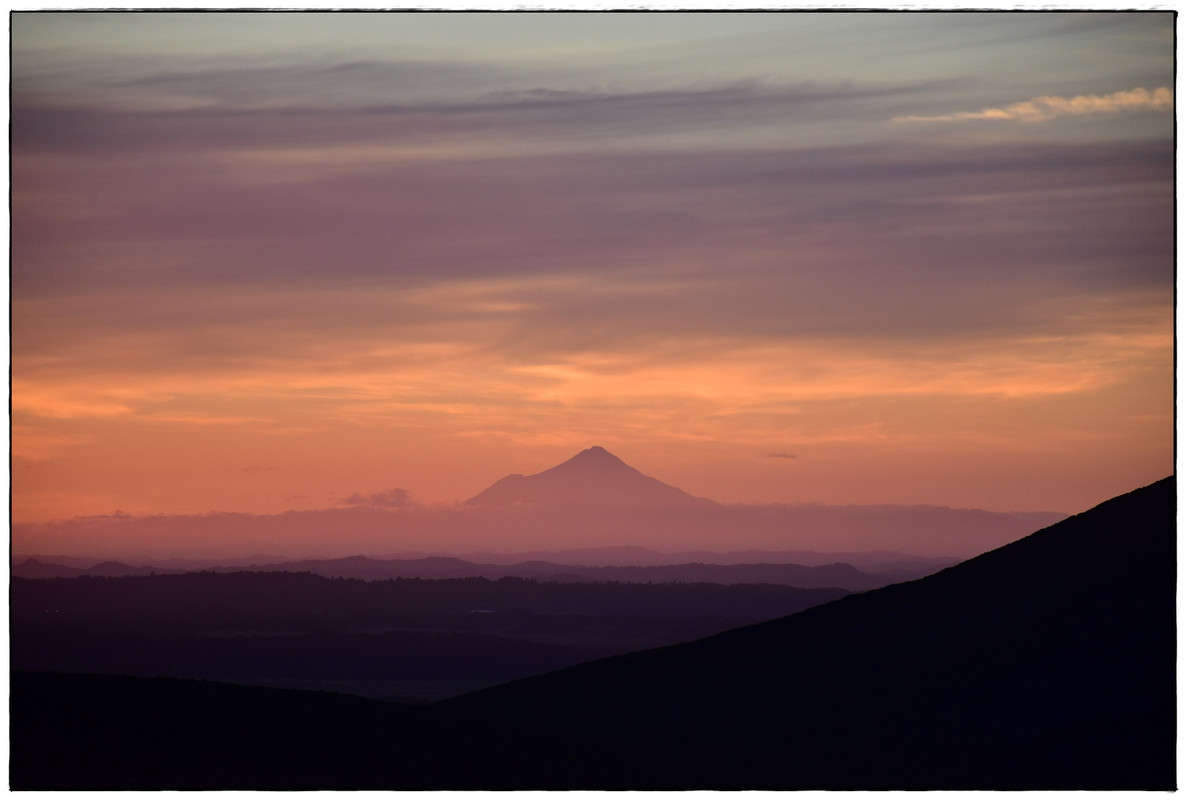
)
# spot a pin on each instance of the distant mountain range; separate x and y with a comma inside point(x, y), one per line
point(37, 568)
point(876, 561)
point(592, 478)
point(627, 556)
point(1049, 663)
point(836, 574)
point(592, 503)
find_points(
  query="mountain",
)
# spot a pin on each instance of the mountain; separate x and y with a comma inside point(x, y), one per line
point(1048, 663)
point(832, 575)
point(1045, 664)
point(35, 568)
point(627, 556)
point(592, 478)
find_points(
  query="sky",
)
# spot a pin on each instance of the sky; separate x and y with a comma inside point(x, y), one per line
point(269, 262)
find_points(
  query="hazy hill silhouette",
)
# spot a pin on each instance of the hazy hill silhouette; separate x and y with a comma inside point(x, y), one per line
point(522, 527)
point(1048, 663)
point(36, 568)
point(593, 477)
point(832, 571)
point(834, 575)
point(627, 556)
point(405, 639)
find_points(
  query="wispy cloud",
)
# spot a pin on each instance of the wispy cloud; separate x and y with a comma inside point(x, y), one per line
point(392, 498)
point(227, 255)
point(236, 111)
point(1047, 107)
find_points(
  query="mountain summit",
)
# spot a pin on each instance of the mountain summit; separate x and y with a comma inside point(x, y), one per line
point(592, 478)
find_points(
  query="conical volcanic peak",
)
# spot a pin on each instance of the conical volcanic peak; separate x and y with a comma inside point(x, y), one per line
point(594, 460)
point(592, 478)
point(595, 455)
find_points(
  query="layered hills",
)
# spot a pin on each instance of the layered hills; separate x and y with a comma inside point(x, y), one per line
point(836, 574)
point(414, 640)
point(594, 502)
point(1045, 664)
point(1048, 663)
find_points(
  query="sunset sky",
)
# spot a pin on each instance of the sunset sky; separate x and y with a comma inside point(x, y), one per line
point(269, 262)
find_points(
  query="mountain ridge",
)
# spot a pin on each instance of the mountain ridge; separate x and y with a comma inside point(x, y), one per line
point(1047, 663)
point(821, 570)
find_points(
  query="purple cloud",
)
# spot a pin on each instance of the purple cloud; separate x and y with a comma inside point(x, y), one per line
point(392, 498)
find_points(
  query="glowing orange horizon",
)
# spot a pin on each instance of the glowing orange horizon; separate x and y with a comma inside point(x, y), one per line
point(250, 279)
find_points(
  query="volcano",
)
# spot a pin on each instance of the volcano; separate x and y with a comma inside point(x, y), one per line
point(593, 478)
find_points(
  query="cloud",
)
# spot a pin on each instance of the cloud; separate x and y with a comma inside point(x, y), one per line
point(392, 498)
point(780, 455)
point(1047, 107)
point(495, 122)
point(564, 273)
point(596, 214)
point(273, 259)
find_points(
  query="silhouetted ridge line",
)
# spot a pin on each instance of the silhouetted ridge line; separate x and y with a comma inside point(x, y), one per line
point(1045, 664)
point(592, 478)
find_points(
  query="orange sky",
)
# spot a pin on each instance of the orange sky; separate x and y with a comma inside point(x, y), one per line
point(253, 275)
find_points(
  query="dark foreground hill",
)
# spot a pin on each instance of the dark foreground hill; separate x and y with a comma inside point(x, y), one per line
point(1046, 664)
point(402, 639)
point(110, 732)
